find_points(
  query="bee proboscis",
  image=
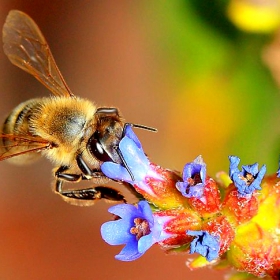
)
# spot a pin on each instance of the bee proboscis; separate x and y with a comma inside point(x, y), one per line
point(70, 131)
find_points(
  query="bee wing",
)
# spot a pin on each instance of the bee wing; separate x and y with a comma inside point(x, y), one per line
point(26, 47)
point(12, 145)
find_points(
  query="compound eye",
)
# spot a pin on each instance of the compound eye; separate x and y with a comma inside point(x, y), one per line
point(97, 150)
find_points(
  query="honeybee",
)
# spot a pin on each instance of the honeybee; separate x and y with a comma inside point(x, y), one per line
point(70, 131)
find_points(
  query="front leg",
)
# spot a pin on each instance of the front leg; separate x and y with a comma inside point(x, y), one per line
point(87, 196)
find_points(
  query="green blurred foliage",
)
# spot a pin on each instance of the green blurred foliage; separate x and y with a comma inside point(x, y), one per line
point(224, 98)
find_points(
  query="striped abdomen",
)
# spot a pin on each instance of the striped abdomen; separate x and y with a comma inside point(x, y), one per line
point(18, 123)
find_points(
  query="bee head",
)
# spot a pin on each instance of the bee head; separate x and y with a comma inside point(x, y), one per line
point(103, 144)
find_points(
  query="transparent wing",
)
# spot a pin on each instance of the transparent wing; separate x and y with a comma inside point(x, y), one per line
point(26, 47)
point(16, 145)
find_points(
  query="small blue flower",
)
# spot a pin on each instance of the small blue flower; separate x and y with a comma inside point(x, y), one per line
point(136, 161)
point(204, 244)
point(137, 228)
point(248, 179)
point(194, 176)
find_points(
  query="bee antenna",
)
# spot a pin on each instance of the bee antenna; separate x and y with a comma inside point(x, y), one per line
point(141, 126)
point(125, 164)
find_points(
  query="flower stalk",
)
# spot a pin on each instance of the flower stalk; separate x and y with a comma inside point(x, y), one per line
point(234, 220)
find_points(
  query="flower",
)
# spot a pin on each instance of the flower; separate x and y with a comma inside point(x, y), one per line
point(153, 182)
point(194, 175)
point(248, 179)
point(135, 160)
point(205, 244)
point(134, 157)
point(137, 228)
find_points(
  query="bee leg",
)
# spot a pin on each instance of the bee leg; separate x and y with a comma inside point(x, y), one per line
point(87, 171)
point(109, 193)
point(88, 196)
point(83, 197)
point(81, 194)
point(69, 177)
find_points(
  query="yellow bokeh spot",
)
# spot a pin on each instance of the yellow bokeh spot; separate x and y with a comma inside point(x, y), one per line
point(255, 16)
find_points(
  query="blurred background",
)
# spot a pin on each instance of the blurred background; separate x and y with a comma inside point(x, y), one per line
point(206, 73)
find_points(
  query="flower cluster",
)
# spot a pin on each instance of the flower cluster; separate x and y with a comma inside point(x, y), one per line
point(224, 219)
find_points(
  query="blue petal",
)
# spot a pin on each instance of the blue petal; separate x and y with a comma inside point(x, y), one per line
point(145, 242)
point(196, 191)
point(234, 162)
point(205, 244)
point(256, 183)
point(135, 158)
point(197, 166)
point(196, 247)
point(115, 171)
point(203, 174)
point(125, 210)
point(145, 209)
point(182, 187)
point(129, 252)
point(117, 232)
point(242, 186)
point(202, 168)
point(130, 134)
point(189, 172)
point(190, 191)
point(239, 183)
point(195, 232)
point(252, 169)
point(261, 172)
